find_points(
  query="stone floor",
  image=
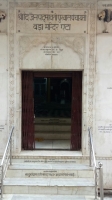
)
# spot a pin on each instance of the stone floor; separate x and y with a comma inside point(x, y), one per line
point(50, 197)
point(46, 197)
point(48, 153)
point(53, 144)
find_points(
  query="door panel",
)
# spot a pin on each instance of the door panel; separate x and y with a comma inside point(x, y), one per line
point(27, 111)
point(76, 113)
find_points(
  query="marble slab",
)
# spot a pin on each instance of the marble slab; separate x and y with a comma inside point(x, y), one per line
point(51, 166)
point(51, 21)
point(75, 186)
point(47, 197)
point(49, 182)
point(62, 170)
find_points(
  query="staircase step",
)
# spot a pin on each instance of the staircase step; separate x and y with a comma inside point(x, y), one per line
point(53, 132)
point(50, 170)
point(50, 166)
point(52, 135)
point(74, 186)
point(46, 156)
point(53, 120)
point(46, 197)
point(50, 127)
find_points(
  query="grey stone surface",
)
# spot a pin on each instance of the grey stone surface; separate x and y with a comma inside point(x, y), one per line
point(44, 197)
point(51, 182)
point(47, 197)
point(50, 197)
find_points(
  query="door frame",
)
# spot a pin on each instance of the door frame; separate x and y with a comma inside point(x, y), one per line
point(60, 74)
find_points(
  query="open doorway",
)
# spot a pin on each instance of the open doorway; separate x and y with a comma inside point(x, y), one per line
point(51, 110)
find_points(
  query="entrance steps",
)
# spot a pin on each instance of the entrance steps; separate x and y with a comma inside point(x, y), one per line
point(63, 170)
point(49, 177)
point(52, 128)
point(62, 186)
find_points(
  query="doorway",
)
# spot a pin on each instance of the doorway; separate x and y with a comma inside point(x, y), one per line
point(51, 110)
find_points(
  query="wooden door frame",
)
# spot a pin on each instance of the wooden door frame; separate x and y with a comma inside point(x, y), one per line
point(60, 74)
point(52, 74)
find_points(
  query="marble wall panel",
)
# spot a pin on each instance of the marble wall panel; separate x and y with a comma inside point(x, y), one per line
point(3, 91)
point(53, 52)
point(71, 51)
point(35, 60)
point(103, 96)
point(32, 52)
point(107, 172)
point(104, 53)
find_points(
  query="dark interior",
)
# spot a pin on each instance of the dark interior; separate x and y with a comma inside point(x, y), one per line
point(52, 97)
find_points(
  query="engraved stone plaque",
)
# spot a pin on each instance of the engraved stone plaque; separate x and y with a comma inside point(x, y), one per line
point(51, 21)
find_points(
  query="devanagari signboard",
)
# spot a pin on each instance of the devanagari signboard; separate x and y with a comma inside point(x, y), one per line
point(51, 21)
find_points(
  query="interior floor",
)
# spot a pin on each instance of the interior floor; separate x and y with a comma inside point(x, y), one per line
point(53, 144)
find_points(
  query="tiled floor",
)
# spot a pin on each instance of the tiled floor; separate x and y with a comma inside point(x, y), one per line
point(53, 144)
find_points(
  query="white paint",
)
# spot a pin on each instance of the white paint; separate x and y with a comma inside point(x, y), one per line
point(3, 92)
point(103, 94)
point(36, 59)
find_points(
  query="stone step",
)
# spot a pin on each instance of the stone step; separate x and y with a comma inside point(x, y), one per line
point(61, 186)
point(46, 156)
point(46, 197)
point(50, 159)
point(52, 144)
point(53, 132)
point(50, 170)
point(52, 136)
point(52, 120)
point(53, 128)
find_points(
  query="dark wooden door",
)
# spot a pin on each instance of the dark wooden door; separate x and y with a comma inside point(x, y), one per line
point(28, 142)
point(28, 139)
point(76, 113)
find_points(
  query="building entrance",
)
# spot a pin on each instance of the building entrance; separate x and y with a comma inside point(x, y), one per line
point(51, 110)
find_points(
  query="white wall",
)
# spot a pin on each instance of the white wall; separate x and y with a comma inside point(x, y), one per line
point(103, 109)
point(3, 91)
point(103, 81)
point(103, 95)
